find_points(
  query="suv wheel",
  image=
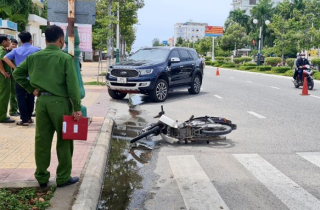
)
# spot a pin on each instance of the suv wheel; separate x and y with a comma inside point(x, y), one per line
point(116, 94)
point(160, 92)
point(195, 85)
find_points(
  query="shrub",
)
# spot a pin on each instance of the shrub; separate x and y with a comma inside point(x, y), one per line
point(237, 60)
point(209, 63)
point(219, 59)
point(289, 73)
point(264, 68)
point(280, 69)
point(228, 65)
point(249, 64)
point(316, 61)
point(290, 62)
point(217, 63)
point(273, 61)
point(227, 59)
point(316, 75)
point(207, 58)
point(247, 67)
point(246, 59)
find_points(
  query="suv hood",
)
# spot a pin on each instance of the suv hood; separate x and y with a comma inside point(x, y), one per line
point(133, 63)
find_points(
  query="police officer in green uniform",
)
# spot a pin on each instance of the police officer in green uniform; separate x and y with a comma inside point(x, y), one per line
point(13, 111)
point(5, 81)
point(53, 80)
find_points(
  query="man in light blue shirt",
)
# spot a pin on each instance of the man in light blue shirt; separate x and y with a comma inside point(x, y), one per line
point(25, 100)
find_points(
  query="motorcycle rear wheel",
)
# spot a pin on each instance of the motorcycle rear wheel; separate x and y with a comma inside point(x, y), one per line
point(223, 130)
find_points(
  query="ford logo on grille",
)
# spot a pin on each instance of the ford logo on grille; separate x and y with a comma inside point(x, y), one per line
point(123, 73)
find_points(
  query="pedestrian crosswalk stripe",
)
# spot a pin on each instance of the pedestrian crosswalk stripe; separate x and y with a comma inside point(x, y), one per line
point(313, 157)
point(195, 187)
point(290, 193)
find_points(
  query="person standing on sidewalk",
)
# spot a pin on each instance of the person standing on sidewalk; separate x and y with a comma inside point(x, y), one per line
point(53, 79)
point(5, 81)
point(25, 100)
point(13, 111)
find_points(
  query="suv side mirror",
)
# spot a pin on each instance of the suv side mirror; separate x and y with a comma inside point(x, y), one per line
point(174, 60)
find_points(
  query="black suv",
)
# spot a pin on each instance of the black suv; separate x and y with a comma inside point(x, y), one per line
point(155, 71)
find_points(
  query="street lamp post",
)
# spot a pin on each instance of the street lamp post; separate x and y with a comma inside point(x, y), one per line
point(267, 22)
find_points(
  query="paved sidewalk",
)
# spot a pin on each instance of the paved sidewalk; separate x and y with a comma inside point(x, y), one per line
point(17, 162)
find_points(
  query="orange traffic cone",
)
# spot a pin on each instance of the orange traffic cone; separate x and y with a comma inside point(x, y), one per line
point(305, 87)
point(217, 73)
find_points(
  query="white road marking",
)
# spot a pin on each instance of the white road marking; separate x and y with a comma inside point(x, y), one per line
point(275, 87)
point(289, 192)
point(313, 157)
point(195, 187)
point(249, 82)
point(257, 115)
point(315, 96)
point(218, 96)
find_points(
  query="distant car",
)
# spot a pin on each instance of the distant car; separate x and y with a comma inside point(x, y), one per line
point(155, 71)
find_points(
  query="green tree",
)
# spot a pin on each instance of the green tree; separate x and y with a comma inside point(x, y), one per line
point(17, 11)
point(238, 16)
point(157, 43)
point(179, 42)
point(234, 37)
point(262, 11)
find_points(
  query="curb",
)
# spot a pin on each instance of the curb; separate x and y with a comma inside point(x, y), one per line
point(90, 188)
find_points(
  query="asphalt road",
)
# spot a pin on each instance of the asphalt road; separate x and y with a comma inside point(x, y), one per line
point(272, 161)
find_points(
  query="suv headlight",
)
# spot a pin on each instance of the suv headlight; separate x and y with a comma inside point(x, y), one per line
point(145, 71)
point(109, 70)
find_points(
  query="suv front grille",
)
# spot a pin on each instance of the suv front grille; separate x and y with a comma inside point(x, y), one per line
point(124, 73)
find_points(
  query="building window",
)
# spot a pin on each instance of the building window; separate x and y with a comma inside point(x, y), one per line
point(253, 2)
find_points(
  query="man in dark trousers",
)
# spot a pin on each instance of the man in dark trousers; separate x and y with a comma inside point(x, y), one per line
point(53, 80)
point(25, 99)
point(301, 62)
point(5, 81)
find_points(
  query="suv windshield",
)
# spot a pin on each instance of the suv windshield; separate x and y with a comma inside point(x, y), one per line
point(150, 54)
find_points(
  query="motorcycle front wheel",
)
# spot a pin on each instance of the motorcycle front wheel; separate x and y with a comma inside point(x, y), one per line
point(213, 131)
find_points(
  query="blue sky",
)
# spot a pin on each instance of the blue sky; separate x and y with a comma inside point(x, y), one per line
point(157, 17)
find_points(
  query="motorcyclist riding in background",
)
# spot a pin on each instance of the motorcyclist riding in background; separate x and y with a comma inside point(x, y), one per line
point(301, 61)
point(295, 67)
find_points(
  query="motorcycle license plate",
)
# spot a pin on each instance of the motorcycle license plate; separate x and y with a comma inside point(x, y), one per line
point(121, 80)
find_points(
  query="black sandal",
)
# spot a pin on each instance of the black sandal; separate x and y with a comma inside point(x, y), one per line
point(31, 121)
point(22, 123)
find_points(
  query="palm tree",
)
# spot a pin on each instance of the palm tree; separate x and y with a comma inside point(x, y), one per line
point(238, 16)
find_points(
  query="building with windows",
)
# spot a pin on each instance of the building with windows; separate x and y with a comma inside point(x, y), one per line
point(247, 4)
point(8, 28)
point(35, 21)
point(189, 31)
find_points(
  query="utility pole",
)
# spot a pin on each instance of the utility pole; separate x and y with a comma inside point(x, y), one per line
point(118, 34)
point(109, 45)
point(71, 16)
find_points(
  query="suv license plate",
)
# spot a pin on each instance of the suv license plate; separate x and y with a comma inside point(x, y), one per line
point(121, 80)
